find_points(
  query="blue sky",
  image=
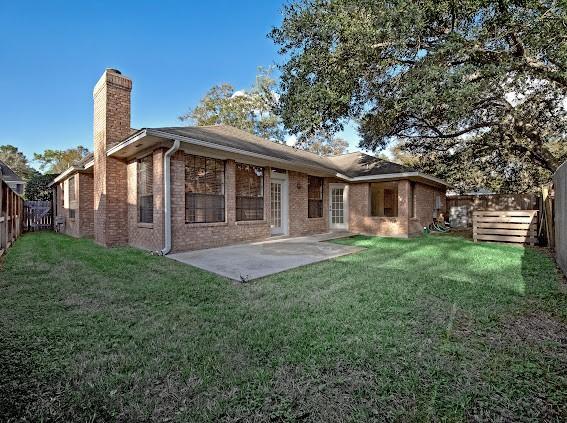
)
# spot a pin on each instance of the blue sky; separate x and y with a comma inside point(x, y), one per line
point(53, 52)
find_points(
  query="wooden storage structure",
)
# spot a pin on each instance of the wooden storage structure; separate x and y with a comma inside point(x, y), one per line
point(519, 226)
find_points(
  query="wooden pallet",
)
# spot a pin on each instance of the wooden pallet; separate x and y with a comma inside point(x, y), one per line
point(519, 226)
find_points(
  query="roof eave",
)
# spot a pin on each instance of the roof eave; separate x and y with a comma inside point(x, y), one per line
point(166, 135)
point(400, 175)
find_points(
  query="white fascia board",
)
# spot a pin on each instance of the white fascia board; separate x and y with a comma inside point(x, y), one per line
point(128, 141)
point(393, 176)
point(64, 174)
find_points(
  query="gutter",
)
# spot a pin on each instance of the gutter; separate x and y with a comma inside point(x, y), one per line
point(152, 132)
point(392, 176)
point(167, 193)
point(64, 175)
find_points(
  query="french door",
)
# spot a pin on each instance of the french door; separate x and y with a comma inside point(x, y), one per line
point(278, 203)
point(338, 211)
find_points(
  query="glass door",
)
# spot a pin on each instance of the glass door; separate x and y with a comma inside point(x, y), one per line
point(337, 208)
point(276, 221)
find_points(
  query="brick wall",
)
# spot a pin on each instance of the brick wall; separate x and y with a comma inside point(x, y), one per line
point(424, 203)
point(111, 125)
point(82, 224)
point(299, 222)
point(85, 211)
point(361, 221)
point(149, 236)
point(71, 224)
point(191, 236)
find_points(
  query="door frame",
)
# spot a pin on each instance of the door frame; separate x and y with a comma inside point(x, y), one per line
point(283, 179)
point(345, 225)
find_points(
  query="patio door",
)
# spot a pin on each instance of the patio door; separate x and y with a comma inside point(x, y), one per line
point(278, 204)
point(338, 207)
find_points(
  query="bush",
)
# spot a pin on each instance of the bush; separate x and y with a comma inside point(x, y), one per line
point(37, 187)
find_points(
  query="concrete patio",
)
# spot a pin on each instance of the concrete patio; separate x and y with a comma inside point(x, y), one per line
point(259, 259)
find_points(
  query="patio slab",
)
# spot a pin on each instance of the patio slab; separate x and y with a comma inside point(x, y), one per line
point(259, 259)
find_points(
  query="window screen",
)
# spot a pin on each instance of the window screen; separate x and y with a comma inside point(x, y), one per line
point(249, 192)
point(72, 192)
point(384, 199)
point(146, 190)
point(204, 189)
point(315, 197)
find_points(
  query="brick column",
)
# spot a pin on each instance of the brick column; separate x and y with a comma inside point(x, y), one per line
point(111, 125)
point(230, 191)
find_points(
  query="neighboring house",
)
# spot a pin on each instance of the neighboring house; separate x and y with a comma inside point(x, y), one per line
point(12, 180)
point(185, 188)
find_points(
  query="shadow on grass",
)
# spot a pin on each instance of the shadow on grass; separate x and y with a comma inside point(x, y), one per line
point(420, 329)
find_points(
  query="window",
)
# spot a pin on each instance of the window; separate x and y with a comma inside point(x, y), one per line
point(384, 199)
point(249, 192)
point(72, 193)
point(146, 189)
point(412, 200)
point(315, 197)
point(71, 213)
point(204, 189)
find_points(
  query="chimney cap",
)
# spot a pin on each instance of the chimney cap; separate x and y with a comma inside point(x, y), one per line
point(112, 70)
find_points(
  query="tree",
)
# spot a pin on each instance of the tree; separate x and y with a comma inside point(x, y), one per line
point(57, 161)
point(17, 161)
point(476, 83)
point(251, 110)
point(323, 144)
point(37, 187)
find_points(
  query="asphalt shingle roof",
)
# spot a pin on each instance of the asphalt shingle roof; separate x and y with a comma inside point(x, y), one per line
point(8, 174)
point(351, 165)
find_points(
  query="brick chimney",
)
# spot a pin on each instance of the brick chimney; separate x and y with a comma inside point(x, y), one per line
point(111, 125)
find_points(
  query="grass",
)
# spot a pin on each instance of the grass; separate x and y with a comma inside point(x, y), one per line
point(427, 329)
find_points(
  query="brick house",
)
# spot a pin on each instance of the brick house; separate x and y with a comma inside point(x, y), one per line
point(11, 178)
point(185, 188)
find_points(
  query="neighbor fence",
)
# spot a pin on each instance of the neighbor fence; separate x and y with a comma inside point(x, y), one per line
point(462, 207)
point(560, 213)
point(518, 226)
point(11, 211)
point(38, 215)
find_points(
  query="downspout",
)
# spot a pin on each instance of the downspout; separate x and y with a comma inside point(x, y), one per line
point(167, 194)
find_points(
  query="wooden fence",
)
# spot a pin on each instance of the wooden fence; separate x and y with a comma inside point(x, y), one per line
point(518, 226)
point(11, 210)
point(560, 215)
point(462, 207)
point(38, 215)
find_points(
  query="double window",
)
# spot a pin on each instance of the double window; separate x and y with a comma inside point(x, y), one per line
point(384, 199)
point(249, 192)
point(315, 197)
point(204, 189)
point(145, 188)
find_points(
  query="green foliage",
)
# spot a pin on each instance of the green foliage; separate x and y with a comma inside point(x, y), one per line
point(323, 144)
point(427, 329)
point(37, 187)
point(17, 161)
point(251, 110)
point(472, 86)
point(57, 161)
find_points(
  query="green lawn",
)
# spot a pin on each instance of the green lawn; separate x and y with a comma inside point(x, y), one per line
point(435, 328)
